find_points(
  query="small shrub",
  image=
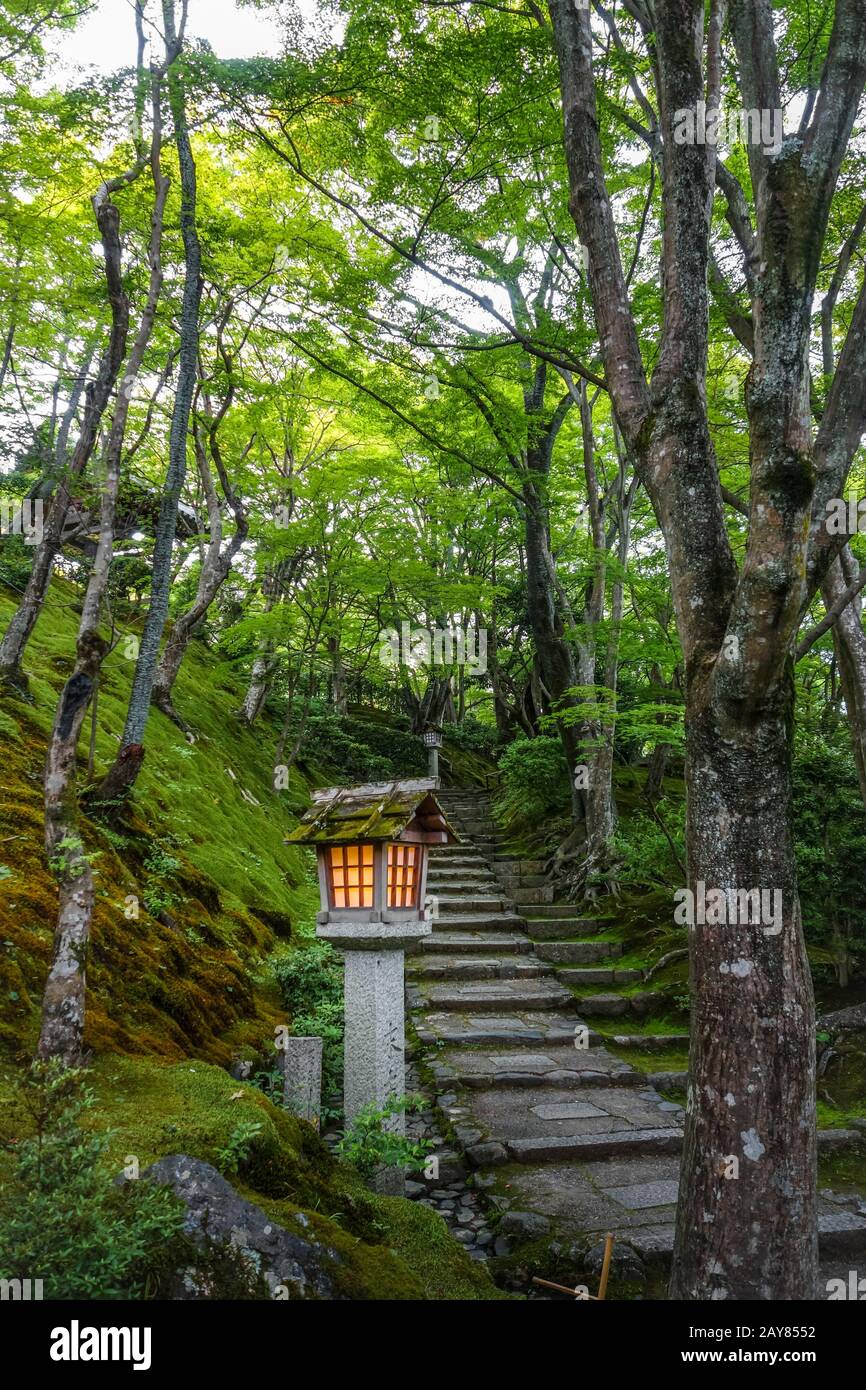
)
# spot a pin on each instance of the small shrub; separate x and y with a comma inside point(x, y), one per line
point(310, 978)
point(63, 1218)
point(239, 1147)
point(534, 779)
point(369, 1145)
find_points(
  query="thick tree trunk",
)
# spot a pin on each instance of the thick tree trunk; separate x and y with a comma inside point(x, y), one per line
point(257, 691)
point(746, 1229)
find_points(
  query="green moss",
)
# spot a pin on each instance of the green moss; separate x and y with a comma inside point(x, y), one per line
point(215, 884)
point(422, 1240)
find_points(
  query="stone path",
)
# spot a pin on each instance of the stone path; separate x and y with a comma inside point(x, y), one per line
point(563, 1136)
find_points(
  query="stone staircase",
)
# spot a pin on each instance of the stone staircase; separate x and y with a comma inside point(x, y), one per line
point(566, 1137)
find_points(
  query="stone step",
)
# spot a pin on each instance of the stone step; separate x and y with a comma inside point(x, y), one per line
point(449, 886)
point(668, 1080)
point(560, 1118)
point(612, 1005)
point(458, 881)
point(464, 873)
point(495, 996)
point(503, 943)
point(531, 897)
point(593, 975)
point(519, 882)
point(551, 929)
point(463, 904)
point(576, 952)
point(560, 1067)
point(479, 921)
point(635, 1198)
point(455, 857)
point(594, 1146)
point(569, 911)
point(447, 967)
point(840, 1235)
point(650, 1042)
point(510, 863)
point(524, 1028)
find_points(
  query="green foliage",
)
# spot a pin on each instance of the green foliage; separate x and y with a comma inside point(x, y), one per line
point(644, 844)
point(236, 1153)
point(473, 737)
point(65, 1219)
point(361, 750)
point(830, 848)
point(310, 978)
point(369, 1144)
point(15, 560)
point(534, 778)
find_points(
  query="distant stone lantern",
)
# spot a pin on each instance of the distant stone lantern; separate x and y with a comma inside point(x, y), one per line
point(372, 843)
point(432, 739)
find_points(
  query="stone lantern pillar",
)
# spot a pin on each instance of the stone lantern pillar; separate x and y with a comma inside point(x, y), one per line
point(432, 742)
point(372, 843)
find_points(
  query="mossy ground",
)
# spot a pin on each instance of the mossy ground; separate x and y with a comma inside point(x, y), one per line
point(213, 880)
point(388, 1248)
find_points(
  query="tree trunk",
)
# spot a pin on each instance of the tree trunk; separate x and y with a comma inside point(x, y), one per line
point(338, 677)
point(257, 691)
point(555, 661)
point(850, 643)
point(600, 805)
point(215, 569)
point(124, 771)
point(752, 1056)
point(63, 1004)
point(97, 396)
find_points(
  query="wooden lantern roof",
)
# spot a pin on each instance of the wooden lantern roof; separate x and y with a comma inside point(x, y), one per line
point(374, 812)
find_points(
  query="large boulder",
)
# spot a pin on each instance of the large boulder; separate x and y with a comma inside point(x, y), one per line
point(281, 1263)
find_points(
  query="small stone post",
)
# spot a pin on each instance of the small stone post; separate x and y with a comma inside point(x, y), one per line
point(301, 1061)
point(375, 1066)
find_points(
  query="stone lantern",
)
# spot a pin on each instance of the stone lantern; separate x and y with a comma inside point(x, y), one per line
point(432, 740)
point(371, 842)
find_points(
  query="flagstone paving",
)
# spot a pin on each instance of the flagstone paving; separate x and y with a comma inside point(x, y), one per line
point(564, 1136)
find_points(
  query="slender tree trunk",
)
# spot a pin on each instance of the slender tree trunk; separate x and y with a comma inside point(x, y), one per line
point(850, 643)
point(124, 771)
point(97, 396)
point(63, 1005)
point(600, 805)
point(215, 569)
point(553, 654)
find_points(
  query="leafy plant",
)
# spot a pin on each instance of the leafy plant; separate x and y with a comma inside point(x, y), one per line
point(369, 1144)
point(310, 978)
point(238, 1149)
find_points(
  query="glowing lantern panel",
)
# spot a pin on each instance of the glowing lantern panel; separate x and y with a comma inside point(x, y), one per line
point(351, 875)
point(403, 875)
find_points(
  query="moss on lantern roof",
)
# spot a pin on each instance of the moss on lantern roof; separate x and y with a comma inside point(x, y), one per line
point(372, 811)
